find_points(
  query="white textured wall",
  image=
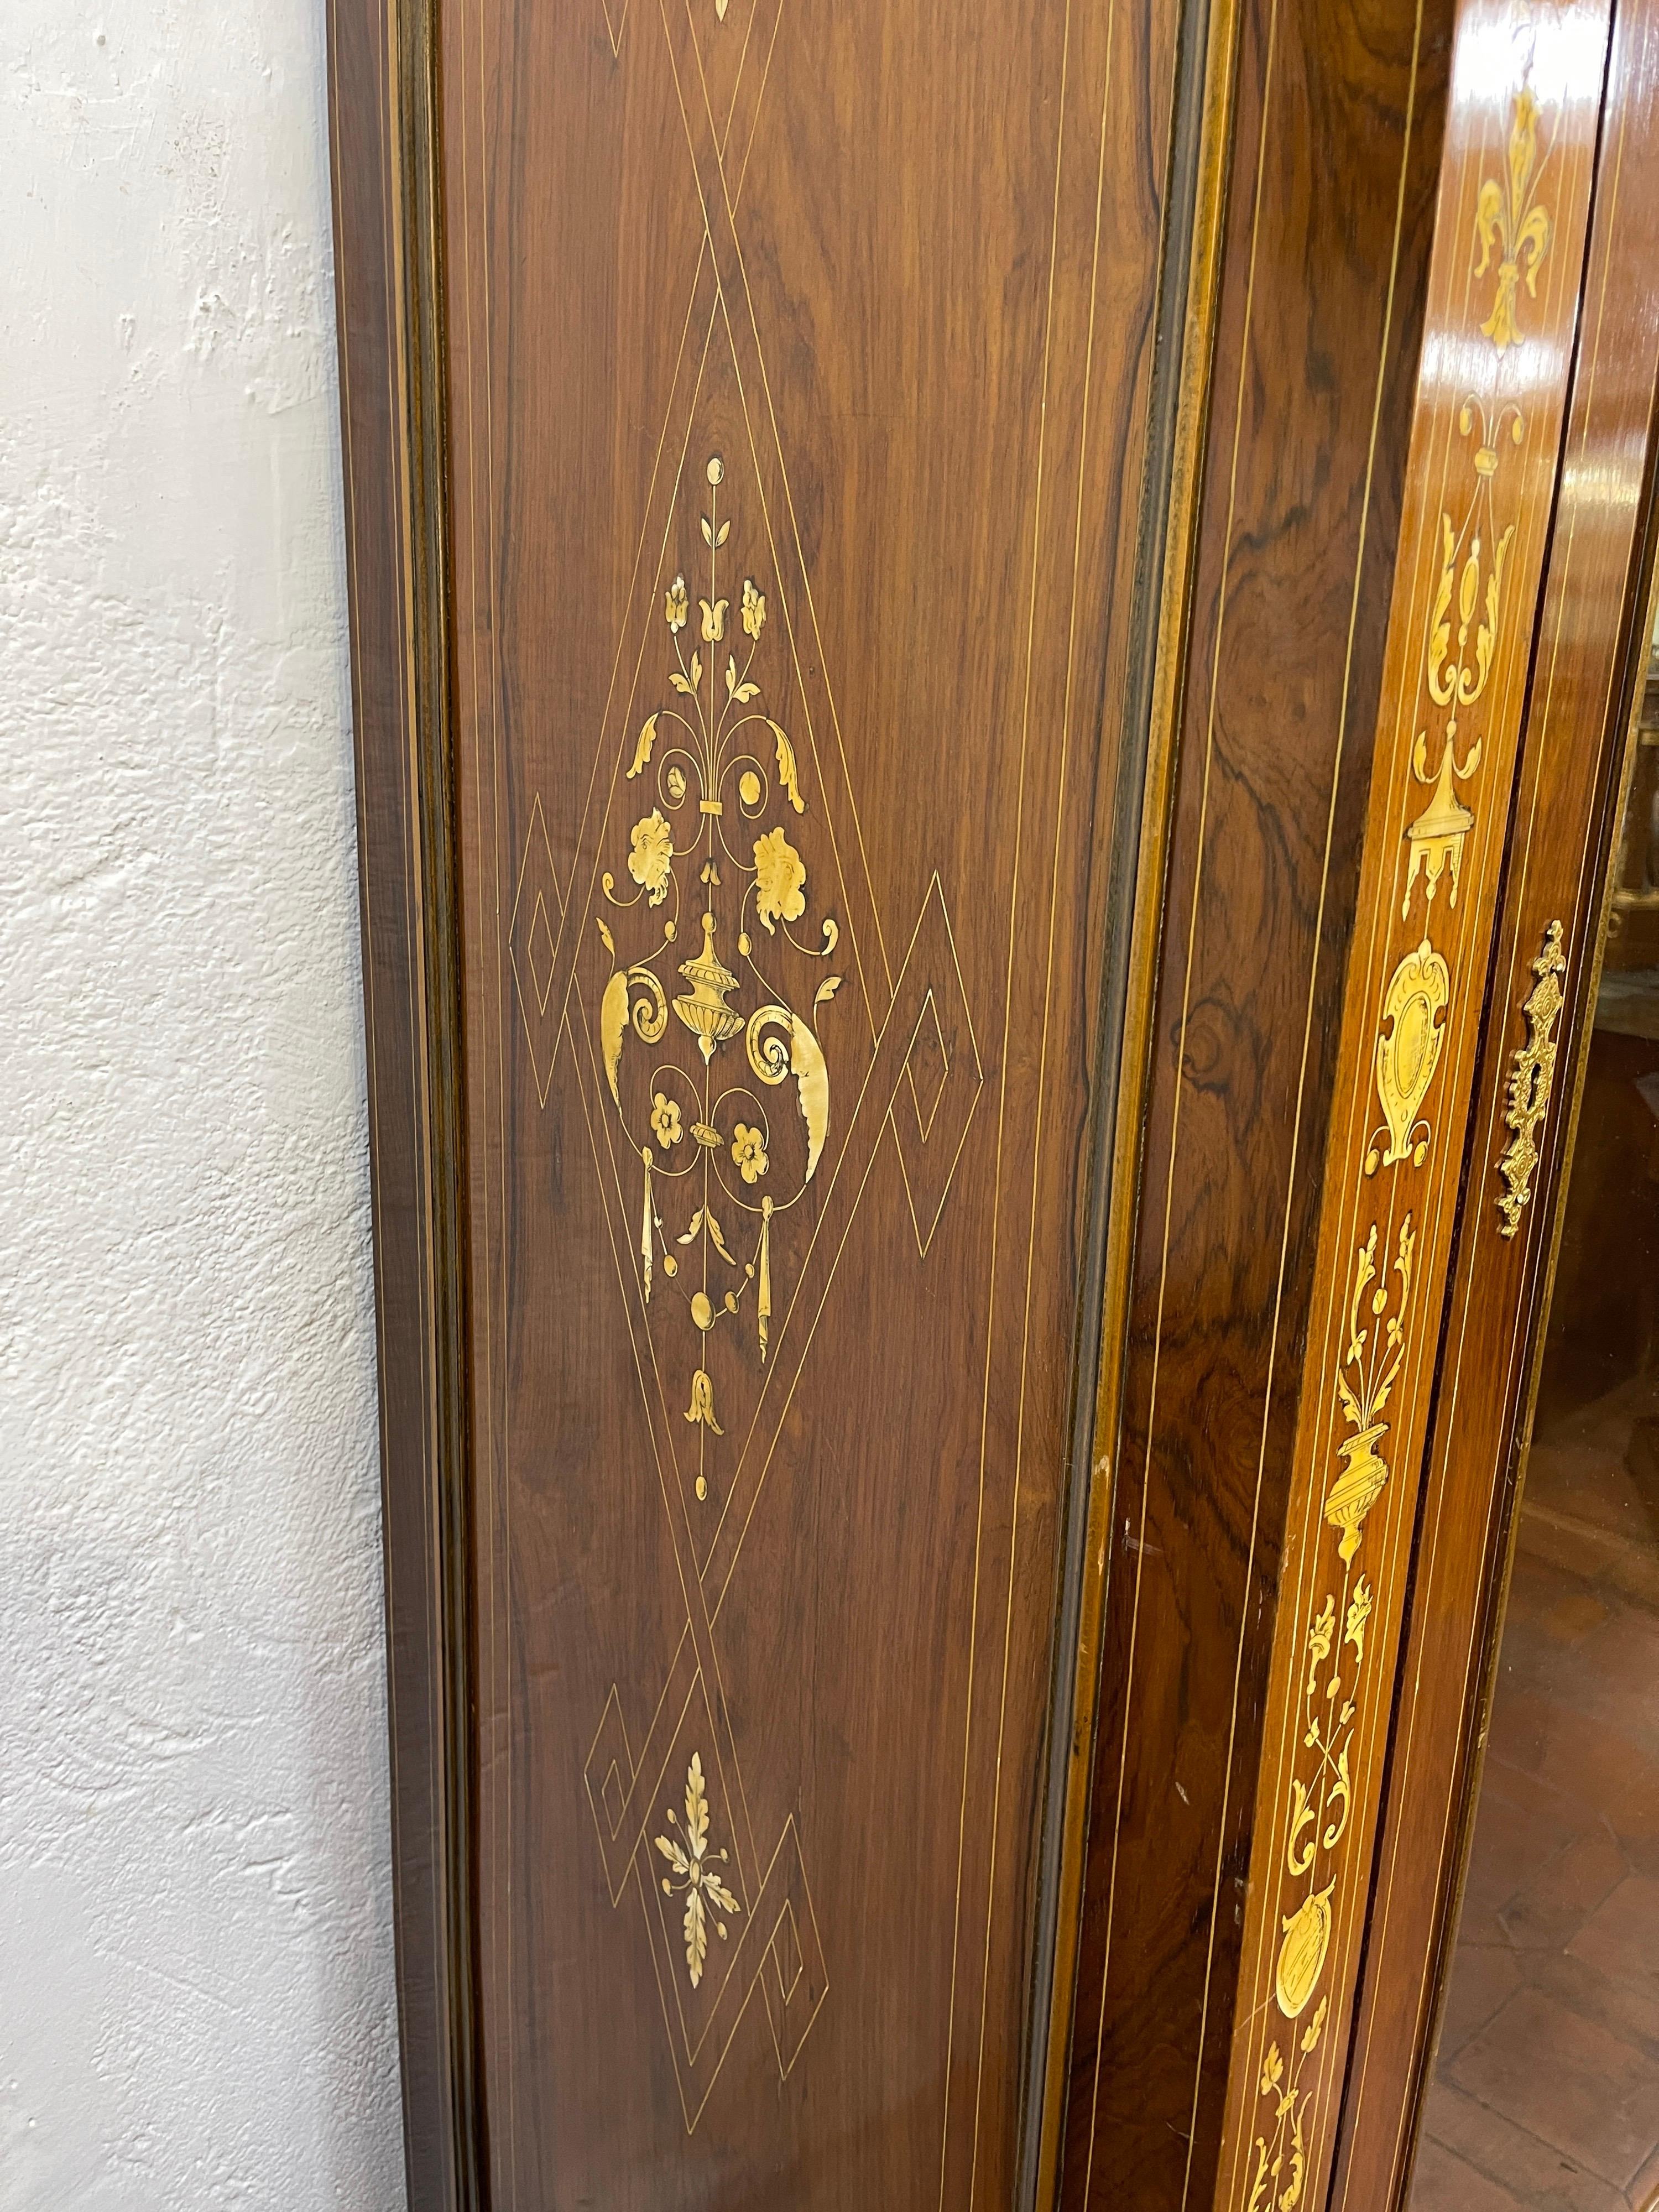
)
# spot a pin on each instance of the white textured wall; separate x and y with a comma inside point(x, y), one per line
point(196, 1973)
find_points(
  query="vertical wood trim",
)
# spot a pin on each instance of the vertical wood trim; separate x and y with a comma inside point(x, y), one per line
point(385, 156)
point(1504, 288)
point(1189, 289)
point(1579, 742)
point(1332, 175)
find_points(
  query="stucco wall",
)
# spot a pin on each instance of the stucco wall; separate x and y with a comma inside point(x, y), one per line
point(196, 1971)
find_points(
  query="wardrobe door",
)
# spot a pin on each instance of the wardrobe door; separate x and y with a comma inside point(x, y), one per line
point(763, 424)
point(1351, 1156)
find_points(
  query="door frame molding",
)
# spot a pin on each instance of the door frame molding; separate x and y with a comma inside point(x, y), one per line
point(384, 111)
point(1578, 743)
point(1488, 442)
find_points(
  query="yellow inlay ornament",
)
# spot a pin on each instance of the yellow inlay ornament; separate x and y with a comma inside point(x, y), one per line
point(1472, 563)
point(703, 1008)
point(714, 752)
point(1323, 1787)
point(1531, 1080)
point(1507, 218)
point(702, 1408)
point(1408, 1053)
point(1301, 1954)
point(1375, 1363)
point(693, 1877)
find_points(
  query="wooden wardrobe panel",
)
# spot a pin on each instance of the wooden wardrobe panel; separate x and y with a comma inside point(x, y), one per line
point(1334, 159)
point(1505, 285)
point(987, 644)
point(848, 311)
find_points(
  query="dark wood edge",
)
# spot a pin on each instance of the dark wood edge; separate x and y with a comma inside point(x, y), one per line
point(385, 159)
point(1135, 832)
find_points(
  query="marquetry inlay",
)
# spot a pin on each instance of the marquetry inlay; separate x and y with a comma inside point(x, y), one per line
point(1484, 450)
point(720, 990)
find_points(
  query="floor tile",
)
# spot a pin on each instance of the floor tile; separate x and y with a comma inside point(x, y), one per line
point(1535, 2174)
point(1624, 2008)
point(1546, 2091)
point(1577, 1753)
point(1442, 2182)
point(1567, 2081)
point(1620, 1939)
point(1513, 1846)
point(1548, 1910)
point(1484, 1975)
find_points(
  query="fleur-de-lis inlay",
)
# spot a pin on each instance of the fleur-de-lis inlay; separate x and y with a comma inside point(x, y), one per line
point(1509, 220)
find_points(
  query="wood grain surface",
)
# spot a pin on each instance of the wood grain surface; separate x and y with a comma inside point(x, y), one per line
point(851, 312)
point(954, 616)
point(1334, 160)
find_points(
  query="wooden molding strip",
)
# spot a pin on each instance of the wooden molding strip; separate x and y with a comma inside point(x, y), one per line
point(384, 131)
point(1200, 165)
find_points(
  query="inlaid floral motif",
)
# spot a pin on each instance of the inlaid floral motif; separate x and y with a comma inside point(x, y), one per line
point(722, 761)
point(694, 1874)
point(781, 880)
point(650, 855)
point(749, 1152)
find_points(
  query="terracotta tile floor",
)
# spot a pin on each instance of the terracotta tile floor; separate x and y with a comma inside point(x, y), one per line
point(1546, 2097)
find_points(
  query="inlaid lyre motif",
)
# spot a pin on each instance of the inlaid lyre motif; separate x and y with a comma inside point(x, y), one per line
point(1461, 644)
point(718, 758)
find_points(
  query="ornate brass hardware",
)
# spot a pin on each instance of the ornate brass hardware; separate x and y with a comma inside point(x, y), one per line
point(1531, 1080)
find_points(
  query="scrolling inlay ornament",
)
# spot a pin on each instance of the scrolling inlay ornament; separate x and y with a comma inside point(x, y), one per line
point(1458, 664)
point(725, 1175)
point(701, 1128)
point(686, 965)
point(1333, 1711)
point(1322, 1785)
point(1531, 1079)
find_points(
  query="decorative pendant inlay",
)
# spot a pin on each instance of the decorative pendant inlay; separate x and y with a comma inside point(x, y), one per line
point(1408, 1053)
point(1471, 562)
point(1373, 1364)
point(701, 746)
point(1478, 577)
point(1531, 1080)
point(1334, 1653)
